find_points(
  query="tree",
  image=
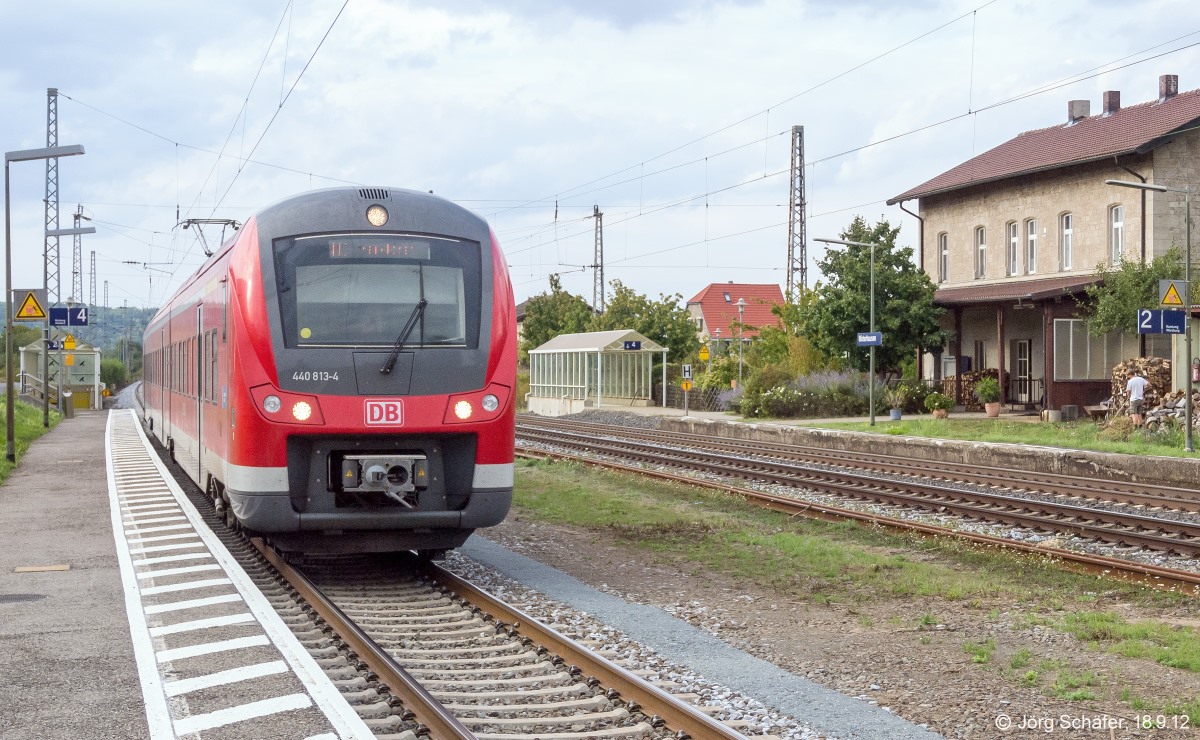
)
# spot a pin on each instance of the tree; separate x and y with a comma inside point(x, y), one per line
point(666, 321)
point(549, 314)
point(1126, 287)
point(786, 344)
point(904, 309)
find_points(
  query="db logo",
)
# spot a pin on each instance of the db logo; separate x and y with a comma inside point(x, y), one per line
point(385, 412)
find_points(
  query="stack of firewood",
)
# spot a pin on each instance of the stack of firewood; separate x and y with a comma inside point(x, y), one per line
point(1155, 370)
point(969, 379)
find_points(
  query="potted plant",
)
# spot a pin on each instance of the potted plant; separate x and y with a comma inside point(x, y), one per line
point(987, 390)
point(939, 404)
point(896, 397)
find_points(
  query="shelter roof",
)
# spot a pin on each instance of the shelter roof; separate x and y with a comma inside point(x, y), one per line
point(599, 341)
point(1015, 290)
point(1136, 129)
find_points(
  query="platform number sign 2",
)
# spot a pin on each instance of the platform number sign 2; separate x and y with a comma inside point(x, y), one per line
point(78, 316)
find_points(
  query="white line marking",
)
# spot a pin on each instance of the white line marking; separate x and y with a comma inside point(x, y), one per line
point(186, 586)
point(151, 510)
point(165, 537)
point(177, 571)
point(164, 499)
point(342, 717)
point(173, 558)
point(130, 531)
point(167, 548)
point(224, 678)
point(158, 713)
point(175, 606)
point(159, 520)
point(200, 722)
point(199, 624)
point(208, 648)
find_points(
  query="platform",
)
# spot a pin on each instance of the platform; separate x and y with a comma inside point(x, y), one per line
point(151, 632)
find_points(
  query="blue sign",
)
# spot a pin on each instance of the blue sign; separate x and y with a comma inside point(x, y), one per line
point(74, 316)
point(54, 344)
point(1150, 321)
point(633, 344)
point(870, 339)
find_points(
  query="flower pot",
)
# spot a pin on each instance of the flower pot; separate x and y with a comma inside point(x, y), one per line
point(941, 414)
point(992, 409)
point(895, 414)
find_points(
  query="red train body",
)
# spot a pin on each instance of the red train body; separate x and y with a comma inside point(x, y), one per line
point(340, 375)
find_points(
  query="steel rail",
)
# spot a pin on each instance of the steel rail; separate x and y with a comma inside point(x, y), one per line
point(649, 699)
point(438, 721)
point(1118, 528)
point(1057, 484)
point(1154, 576)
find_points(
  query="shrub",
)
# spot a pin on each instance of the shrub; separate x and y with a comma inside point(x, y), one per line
point(896, 396)
point(987, 390)
point(935, 401)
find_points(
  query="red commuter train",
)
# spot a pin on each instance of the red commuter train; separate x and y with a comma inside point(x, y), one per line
point(339, 376)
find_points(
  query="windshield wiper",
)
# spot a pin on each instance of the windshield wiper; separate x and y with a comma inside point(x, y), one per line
point(418, 312)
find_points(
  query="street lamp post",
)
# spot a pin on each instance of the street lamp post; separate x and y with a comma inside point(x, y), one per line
point(1187, 293)
point(741, 304)
point(871, 329)
point(23, 155)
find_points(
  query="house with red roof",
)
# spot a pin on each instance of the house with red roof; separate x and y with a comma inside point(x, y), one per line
point(1013, 237)
point(724, 312)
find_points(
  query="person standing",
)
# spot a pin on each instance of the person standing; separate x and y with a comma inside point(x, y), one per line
point(1136, 386)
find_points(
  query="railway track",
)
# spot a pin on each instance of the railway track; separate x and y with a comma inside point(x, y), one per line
point(486, 669)
point(1096, 488)
point(421, 653)
point(1040, 512)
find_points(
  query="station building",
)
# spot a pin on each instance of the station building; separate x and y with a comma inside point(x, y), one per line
point(1013, 238)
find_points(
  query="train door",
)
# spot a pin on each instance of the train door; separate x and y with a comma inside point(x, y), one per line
point(165, 388)
point(201, 353)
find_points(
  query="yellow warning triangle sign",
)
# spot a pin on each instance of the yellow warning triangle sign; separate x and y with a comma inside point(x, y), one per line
point(1171, 297)
point(30, 309)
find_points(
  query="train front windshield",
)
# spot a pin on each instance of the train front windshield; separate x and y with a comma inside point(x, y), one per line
point(339, 290)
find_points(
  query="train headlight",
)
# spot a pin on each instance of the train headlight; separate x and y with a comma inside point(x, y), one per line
point(271, 404)
point(490, 403)
point(377, 215)
point(463, 409)
point(302, 411)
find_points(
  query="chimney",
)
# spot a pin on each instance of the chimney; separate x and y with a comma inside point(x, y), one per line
point(1168, 87)
point(1077, 110)
point(1112, 101)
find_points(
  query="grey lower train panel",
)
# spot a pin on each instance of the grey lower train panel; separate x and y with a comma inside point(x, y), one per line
point(273, 512)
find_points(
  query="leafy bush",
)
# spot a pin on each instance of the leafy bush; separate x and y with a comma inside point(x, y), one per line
point(987, 389)
point(896, 396)
point(938, 401)
point(824, 394)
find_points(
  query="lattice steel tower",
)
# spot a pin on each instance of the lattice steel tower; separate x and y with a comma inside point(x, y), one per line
point(797, 259)
point(77, 260)
point(50, 273)
point(92, 292)
point(598, 267)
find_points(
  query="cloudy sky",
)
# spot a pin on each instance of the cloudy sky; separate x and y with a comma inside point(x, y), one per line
point(673, 116)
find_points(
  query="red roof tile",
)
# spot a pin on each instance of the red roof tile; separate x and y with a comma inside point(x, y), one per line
point(1136, 129)
point(718, 306)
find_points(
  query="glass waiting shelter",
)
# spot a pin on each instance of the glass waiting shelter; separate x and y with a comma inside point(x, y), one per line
point(572, 372)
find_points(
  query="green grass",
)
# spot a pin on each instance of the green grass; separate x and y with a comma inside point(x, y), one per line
point(820, 561)
point(27, 426)
point(1079, 435)
point(980, 652)
point(1169, 645)
point(1076, 687)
